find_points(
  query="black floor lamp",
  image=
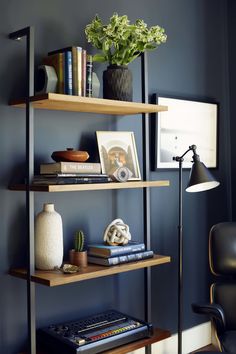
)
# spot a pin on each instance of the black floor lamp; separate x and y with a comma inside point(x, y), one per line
point(200, 180)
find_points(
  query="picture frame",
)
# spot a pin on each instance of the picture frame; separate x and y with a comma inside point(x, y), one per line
point(187, 122)
point(118, 149)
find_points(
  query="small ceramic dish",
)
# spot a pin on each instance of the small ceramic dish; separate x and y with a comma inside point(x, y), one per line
point(70, 155)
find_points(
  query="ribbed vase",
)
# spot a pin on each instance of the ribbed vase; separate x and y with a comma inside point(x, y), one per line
point(117, 83)
point(48, 239)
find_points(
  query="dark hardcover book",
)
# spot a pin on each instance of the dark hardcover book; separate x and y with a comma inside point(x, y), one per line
point(133, 257)
point(105, 251)
point(68, 73)
point(57, 61)
point(70, 180)
point(66, 175)
point(61, 50)
point(89, 70)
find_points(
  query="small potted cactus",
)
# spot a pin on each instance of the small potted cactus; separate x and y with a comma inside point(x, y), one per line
point(78, 255)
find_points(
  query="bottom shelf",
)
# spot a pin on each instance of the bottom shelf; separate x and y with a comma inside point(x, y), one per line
point(158, 335)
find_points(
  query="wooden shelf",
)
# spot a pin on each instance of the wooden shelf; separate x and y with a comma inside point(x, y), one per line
point(91, 187)
point(158, 335)
point(55, 101)
point(55, 278)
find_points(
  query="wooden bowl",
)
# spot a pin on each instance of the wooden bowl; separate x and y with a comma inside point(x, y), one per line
point(70, 155)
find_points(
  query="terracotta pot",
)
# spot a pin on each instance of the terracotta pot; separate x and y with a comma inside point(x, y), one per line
point(79, 259)
point(70, 155)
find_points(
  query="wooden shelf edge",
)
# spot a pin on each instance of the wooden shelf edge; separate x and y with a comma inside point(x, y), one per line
point(56, 278)
point(55, 101)
point(91, 187)
point(158, 335)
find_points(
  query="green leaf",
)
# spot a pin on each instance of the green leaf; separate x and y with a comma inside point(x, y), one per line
point(100, 58)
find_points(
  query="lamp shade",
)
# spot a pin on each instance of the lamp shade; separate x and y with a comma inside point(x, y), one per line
point(200, 178)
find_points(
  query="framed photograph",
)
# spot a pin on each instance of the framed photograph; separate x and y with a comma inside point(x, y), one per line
point(185, 123)
point(117, 149)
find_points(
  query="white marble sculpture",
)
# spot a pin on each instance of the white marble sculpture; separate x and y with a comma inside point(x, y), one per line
point(117, 233)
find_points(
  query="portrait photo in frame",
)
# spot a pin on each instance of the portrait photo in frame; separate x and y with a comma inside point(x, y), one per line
point(118, 149)
point(187, 122)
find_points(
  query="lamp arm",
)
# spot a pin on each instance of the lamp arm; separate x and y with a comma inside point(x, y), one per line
point(191, 148)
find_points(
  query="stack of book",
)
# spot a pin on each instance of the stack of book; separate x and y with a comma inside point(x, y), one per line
point(70, 173)
point(74, 68)
point(106, 255)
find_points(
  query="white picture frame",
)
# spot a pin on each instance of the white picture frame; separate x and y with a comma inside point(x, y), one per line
point(116, 149)
point(186, 123)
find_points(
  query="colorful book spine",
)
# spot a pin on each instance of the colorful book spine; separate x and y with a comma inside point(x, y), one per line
point(111, 261)
point(84, 64)
point(68, 73)
point(89, 71)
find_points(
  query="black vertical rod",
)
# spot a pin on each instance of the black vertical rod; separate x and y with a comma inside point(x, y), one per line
point(146, 191)
point(180, 260)
point(29, 33)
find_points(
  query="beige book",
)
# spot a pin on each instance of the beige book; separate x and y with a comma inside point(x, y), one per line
point(70, 167)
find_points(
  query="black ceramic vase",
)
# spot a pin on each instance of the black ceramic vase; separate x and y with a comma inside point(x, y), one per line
point(117, 83)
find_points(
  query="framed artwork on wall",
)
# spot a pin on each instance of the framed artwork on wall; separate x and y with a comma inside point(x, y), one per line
point(118, 149)
point(187, 122)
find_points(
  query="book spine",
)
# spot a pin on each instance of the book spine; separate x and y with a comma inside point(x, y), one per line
point(74, 71)
point(121, 259)
point(127, 249)
point(89, 70)
point(84, 63)
point(79, 70)
point(68, 73)
point(61, 60)
point(70, 167)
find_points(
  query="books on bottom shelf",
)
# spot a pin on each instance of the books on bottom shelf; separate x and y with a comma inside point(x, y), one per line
point(115, 260)
point(70, 179)
point(105, 250)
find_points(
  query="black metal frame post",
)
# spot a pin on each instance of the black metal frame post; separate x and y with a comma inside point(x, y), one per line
point(180, 160)
point(146, 191)
point(180, 259)
point(28, 32)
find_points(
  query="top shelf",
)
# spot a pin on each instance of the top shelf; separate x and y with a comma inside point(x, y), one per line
point(55, 101)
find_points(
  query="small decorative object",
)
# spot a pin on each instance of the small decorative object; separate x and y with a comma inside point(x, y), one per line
point(70, 268)
point(48, 239)
point(78, 256)
point(45, 79)
point(120, 174)
point(95, 85)
point(70, 155)
point(120, 43)
point(116, 150)
point(67, 268)
point(117, 233)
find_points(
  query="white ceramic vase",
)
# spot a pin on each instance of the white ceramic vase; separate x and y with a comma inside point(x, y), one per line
point(48, 239)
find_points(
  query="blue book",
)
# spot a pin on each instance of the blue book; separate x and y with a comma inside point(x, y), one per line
point(106, 251)
point(68, 73)
point(111, 261)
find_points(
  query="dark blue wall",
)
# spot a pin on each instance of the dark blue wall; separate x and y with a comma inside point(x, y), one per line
point(193, 63)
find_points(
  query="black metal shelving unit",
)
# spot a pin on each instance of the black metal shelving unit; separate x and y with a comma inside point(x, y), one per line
point(28, 33)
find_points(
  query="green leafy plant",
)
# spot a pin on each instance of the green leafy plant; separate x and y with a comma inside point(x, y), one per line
point(79, 241)
point(120, 41)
